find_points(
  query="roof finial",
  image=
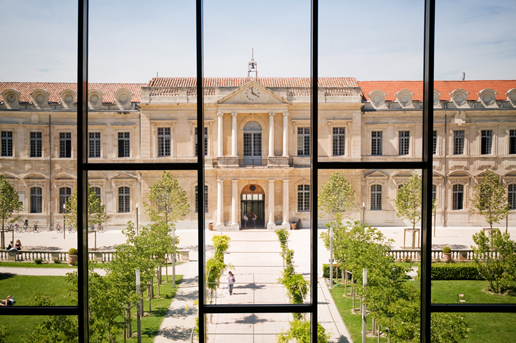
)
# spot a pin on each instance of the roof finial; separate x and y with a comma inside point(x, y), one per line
point(463, 75)
point(253, 66)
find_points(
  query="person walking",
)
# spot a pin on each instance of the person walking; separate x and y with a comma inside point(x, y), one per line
point(231, 282)
point(245, 221)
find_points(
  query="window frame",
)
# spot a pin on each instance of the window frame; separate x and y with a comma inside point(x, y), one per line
point(163, 139)
point(196, 205)
point(338, 141)
point(303, 139)
point(376, 197)
point(65, 145)
point(95, 144)
point(36, 200)
point(512, 142)
point(196, 141)
point(377, 143)
point(456, 194)
point(303, 198)
point(124, 199)
point(459, 142)
point(486, 142)
point(511, 196)
point(125, 141)
point(64, 194)
point(36, 144)
point(404, 143)
point(7, 143)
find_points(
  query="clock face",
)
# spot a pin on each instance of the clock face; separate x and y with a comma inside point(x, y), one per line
point(252, 93)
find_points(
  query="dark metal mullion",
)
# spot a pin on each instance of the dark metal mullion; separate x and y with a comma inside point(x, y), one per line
point(477, 308)
point(41, 311)
point(426, 215)
point(373, 165)
point(200, 166)
point(82, 174)
point(314, 153)
point(259, 308)
point(141, 166)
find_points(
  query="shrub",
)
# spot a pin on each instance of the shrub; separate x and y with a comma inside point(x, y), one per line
point(446, 250)
point(455, 272)
point(73, 251)
point(57, 261)
point(38, 260)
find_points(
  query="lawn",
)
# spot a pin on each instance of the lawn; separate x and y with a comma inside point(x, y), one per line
point(23, 289)
point(485, 327)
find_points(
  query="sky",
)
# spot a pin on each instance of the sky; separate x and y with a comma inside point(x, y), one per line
point(133, 41)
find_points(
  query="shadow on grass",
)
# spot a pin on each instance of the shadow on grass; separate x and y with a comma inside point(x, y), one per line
point(5, 276)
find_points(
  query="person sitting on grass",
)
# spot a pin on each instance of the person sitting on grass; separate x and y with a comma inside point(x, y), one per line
point(9, 301)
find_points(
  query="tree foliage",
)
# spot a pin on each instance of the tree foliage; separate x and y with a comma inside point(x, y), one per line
point(9, 204)
point(96, 210)
point(495, 259)
point(337, 197)
point(409, 198)
point(215, 266)
point(490, 198)
point(299, 332)
point(167, 200)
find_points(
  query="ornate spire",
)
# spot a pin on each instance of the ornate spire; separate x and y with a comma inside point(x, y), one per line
point(253, 66)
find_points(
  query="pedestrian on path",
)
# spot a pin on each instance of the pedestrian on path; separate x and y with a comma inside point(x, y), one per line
point(231, 282)
point(245, 221)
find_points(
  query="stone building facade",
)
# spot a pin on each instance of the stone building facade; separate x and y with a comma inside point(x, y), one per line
point(256, 133)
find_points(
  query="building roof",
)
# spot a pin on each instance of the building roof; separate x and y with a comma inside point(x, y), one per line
point(473, 87)
point(269, 82)
point(55, 88)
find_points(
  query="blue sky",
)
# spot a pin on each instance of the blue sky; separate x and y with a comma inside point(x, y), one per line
point(131, 41)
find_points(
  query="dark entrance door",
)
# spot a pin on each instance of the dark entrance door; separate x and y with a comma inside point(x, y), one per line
point(253, 203)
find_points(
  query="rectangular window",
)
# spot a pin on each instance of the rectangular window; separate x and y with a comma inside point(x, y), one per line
point(339, 138)
point(205, 199)
point(434, 142)
point(94, 144)
point(376, 197)
point(376, 143)
point(434, 193)
point(35, 144)
point(303, 141)
point(487, 142)
point(124, 144)
point(36, 200)
point(164, 141)
point(64, 194)
point(124, 200)
point(512, 197)
point(512, 142)
point(65, 145)
point(458, 142)
point(404, 142)
point(205, 141)
point(303, 198)
point(458, 197)
point(7, 143)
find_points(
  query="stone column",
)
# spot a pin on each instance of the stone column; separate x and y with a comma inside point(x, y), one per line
point(234, 202)
point(220, 152)
point(285, 134)
point(271, 134)
point(286, 209)
point(234, 134)
point(220, 184)
point(271, 204)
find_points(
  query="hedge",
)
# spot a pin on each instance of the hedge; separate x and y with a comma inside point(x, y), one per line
point(459, 271)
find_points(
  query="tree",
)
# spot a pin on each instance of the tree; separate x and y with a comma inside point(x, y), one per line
point(9, 204)
point(490, 199)
point(299, 332)
point(495, 259)
point(96, 210)
point(337, 197)
point(168, 200)
point(216, 265)
point(408, 200)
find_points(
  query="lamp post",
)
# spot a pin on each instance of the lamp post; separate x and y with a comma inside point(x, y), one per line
point(136, 219)
point(363, 213)
point(64, 222)
point(331, 257)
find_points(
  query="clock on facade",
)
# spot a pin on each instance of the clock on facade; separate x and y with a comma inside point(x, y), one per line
point(252, 93)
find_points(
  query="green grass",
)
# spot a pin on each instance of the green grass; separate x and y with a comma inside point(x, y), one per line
point(485, 327)
point(34, 265)
point(23, 288)
point(152, 322)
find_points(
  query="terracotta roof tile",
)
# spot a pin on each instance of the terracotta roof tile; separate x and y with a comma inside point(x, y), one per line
point(270, 82)
point(54, 88)
point(473, 87)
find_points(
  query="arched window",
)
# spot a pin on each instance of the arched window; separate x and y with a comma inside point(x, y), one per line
point(124, 200)
point(376, 197)
point(303, 198)
point(252, 143)
point(512, 197)
point(36, 200)
point(458, 197)
point(64, 194)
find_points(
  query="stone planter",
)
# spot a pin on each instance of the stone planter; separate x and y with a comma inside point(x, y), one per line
point(293, 225)
point(210, 226)
point(72, 259)
point(446, 257)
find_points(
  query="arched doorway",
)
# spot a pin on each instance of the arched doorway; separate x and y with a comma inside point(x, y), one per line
point(252, 143)
point(253, 202)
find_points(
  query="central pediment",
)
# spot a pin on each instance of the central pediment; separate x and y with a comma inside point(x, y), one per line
point(253, 93)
